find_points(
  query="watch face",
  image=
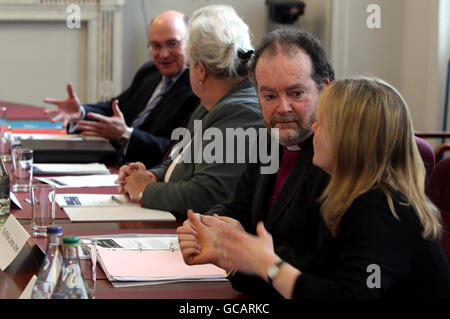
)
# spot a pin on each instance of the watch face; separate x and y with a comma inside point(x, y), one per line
point(272, 271)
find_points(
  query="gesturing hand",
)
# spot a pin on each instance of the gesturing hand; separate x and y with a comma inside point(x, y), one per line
point(68, 110)
point(110, 127)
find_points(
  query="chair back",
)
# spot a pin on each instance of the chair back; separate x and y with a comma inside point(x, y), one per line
point(427, 153)
point(440, 150)
point(439, 194)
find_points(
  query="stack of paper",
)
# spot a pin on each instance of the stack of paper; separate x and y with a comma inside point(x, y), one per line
point(70, 169)
point(81, 181)
point(129, 241)
point(107, 207)
point(153, 266)
point(66, 137)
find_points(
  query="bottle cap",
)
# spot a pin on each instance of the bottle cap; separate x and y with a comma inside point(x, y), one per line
point(70, 240)
point(54, 230)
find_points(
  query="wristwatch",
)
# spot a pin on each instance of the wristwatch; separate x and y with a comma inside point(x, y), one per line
point(125, 136)
point(273, 271)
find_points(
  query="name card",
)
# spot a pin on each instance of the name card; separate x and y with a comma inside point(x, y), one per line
point(12, 239)
point(26, 294)
point(15, 200)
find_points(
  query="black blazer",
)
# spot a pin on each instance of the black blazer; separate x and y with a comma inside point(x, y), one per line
point(409, 266)
point(294, 220)
point(150, 141)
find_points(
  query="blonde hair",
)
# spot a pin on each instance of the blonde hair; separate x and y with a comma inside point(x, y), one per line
point(371, 130)
point(220, 39)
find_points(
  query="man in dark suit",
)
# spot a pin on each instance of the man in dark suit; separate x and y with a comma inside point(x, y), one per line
point(139, 121)
point(288, 70)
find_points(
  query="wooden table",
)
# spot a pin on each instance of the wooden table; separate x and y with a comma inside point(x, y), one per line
point(15, 278)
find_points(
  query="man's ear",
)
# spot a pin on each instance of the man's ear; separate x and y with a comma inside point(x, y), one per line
point(324, 83)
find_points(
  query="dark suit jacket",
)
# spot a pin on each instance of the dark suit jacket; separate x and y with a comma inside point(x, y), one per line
point(150, 141)
point(410, 267)
point(294, 220)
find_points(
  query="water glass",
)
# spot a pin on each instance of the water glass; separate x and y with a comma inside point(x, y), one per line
point(42, 208)
point(23, 169)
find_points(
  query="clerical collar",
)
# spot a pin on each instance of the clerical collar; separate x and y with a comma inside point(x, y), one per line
point(294, 148)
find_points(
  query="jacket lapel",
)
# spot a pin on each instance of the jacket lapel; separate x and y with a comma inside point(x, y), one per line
point(178, 88)
point(146, 91)
point(292, 184)
point(263, 189)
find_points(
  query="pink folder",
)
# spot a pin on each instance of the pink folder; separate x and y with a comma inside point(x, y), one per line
point(153, 265)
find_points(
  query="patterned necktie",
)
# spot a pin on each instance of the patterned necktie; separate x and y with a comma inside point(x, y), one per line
point(151, 103)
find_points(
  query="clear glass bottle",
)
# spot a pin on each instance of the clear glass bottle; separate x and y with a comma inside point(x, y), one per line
point(4, 193)
point(51, 266)
point(71, 283)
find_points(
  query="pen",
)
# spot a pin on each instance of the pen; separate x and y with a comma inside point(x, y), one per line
point(28, 200)
point(118, 201)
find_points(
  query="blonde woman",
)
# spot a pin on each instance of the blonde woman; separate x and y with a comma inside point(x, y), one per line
point(385, 230)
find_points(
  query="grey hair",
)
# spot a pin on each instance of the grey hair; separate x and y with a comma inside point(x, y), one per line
point(221, 40)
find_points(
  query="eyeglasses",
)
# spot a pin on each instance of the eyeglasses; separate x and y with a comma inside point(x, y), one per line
point(170, 45)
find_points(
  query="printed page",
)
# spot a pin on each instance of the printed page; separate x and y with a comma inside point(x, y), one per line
point(125, 212)
point(70, 169)
point(92, 200)
point(81, 181)
point(130, 242)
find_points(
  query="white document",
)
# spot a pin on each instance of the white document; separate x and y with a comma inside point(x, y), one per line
point(125, 212)
point(91, 200)
point(70, 169)
point(125, 284)
point(130, 241)
point(12, 239)
point(65, 137)
point(81, 181)
point(26, 294)
point(107, 207)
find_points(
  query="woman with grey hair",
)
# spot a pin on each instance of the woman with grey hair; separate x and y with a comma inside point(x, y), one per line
point(218, 51)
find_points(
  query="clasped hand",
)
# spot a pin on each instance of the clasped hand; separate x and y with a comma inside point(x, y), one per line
point(132, 180)
point(223, 241)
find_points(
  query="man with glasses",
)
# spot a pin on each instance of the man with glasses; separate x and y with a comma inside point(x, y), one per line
point(139, 121)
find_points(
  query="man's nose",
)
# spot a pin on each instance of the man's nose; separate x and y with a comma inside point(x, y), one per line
point(164, 51)
point(285, 105)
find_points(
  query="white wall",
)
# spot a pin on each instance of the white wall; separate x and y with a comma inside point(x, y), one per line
point(39, 59)
point(410, 50)
point(317, 20)
point(139, 13)
point(443, 54)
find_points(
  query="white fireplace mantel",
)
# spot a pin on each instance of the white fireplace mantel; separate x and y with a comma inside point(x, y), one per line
point(103, 20)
